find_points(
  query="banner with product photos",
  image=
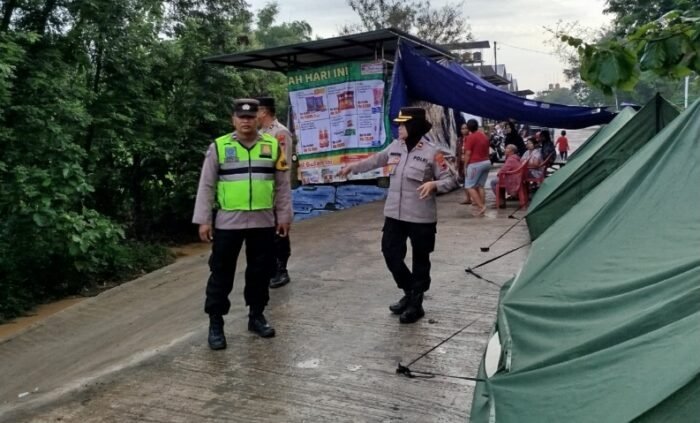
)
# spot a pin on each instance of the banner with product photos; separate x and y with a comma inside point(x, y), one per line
point(338, 114)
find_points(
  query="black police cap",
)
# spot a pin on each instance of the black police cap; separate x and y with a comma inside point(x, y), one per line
point(268, 102)
point(245, 107)
point(409, 113)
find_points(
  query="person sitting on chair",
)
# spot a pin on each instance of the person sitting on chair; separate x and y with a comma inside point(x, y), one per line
point(533, 158)
point(512, 163)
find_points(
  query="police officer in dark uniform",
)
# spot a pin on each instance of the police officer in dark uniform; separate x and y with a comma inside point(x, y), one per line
point(245, 178)
point(417, 170)
point(268, 123)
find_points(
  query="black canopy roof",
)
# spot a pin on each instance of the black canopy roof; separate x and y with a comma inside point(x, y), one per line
point(379, 44)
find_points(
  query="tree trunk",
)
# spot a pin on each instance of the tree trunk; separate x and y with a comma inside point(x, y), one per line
point(7, 14)
point(99, 59)
point(45, 15)
point(139, 226)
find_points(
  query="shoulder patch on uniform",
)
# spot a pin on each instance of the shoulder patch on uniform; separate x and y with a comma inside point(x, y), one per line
point(281, 163)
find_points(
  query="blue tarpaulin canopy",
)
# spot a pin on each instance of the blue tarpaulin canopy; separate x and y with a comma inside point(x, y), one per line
point(417, 77)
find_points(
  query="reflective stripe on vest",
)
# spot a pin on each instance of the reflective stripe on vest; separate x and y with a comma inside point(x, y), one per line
point(246, 177)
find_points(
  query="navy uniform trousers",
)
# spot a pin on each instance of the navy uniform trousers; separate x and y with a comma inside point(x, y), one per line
point(283, 250)
point(222, 262)
point(394, 237)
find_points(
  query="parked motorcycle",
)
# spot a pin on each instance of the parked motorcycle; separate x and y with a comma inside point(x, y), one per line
point(497, 148)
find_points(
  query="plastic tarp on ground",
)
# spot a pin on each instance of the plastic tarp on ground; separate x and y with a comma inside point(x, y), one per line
point(600, 157)
point(417, 77)
point(602, 324)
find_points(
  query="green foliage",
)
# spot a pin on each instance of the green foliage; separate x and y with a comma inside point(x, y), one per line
point(668, 46)
point(610, 67)
point(559, 96)
point(443, 25)
point(105, 111)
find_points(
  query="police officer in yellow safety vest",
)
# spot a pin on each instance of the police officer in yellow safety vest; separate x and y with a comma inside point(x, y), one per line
point(269, 124)
point(243, 196)
point(417, 169)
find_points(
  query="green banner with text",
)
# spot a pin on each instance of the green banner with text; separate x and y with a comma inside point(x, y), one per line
point(338, 114)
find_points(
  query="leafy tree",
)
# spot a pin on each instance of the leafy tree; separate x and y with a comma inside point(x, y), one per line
point(667, 46)
point(631, 14)
point(441, 26)
point(267, 34)
point(105, 111)
point(559, 95)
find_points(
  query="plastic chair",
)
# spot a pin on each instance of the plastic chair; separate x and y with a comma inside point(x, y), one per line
point(542, 170)
point(521, 174)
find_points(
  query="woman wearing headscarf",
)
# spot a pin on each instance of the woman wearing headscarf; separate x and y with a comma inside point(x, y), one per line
point(547, 146)
point(512, 137)
point(417, 171)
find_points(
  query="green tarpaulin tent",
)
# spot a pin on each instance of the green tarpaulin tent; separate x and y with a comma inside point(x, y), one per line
point(602, 324)
point(590, 139)
point(598, 158)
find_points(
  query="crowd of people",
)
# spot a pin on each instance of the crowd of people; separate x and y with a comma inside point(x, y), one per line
point(244, 197)
point(475, 156)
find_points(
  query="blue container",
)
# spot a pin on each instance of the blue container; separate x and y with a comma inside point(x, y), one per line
point(302, 207)
point(318, 196)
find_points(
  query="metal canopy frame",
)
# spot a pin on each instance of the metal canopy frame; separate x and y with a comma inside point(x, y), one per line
point(378, 45)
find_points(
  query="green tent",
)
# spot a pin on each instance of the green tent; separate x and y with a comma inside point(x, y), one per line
point(585, 144)
point(602, 324)
point(599, 157)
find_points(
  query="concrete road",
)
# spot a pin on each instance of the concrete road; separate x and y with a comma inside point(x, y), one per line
point(138, 353)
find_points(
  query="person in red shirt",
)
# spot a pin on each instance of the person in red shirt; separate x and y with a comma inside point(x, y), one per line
point(563, 146)
point(460, 164)
point(476, 157)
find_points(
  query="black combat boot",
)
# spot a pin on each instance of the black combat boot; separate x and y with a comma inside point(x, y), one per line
point(217, 340)
point(414, 310)
point(258, 324)
point(281, 277)
point(400, 306)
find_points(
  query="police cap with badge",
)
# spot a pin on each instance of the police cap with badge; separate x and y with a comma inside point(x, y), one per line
point(245, 107)
point(414, 119)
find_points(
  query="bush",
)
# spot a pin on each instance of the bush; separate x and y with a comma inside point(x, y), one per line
point(41, 260)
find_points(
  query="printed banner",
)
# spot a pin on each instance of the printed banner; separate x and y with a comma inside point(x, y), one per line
point(338, 114)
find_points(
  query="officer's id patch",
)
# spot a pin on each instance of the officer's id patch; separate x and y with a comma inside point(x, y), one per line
point(266, 150)
point(230, 154)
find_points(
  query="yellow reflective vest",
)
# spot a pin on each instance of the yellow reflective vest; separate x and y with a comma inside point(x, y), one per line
point(246, 177)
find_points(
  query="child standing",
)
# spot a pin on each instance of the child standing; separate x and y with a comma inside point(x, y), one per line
point(563, 146)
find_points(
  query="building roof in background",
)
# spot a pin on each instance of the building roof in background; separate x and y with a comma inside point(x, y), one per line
point(497, 76)
point(379, 44)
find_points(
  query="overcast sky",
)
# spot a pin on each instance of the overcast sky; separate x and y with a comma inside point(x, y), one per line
point(517, 26)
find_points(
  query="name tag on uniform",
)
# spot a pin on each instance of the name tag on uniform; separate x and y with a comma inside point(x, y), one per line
point(420, 159)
